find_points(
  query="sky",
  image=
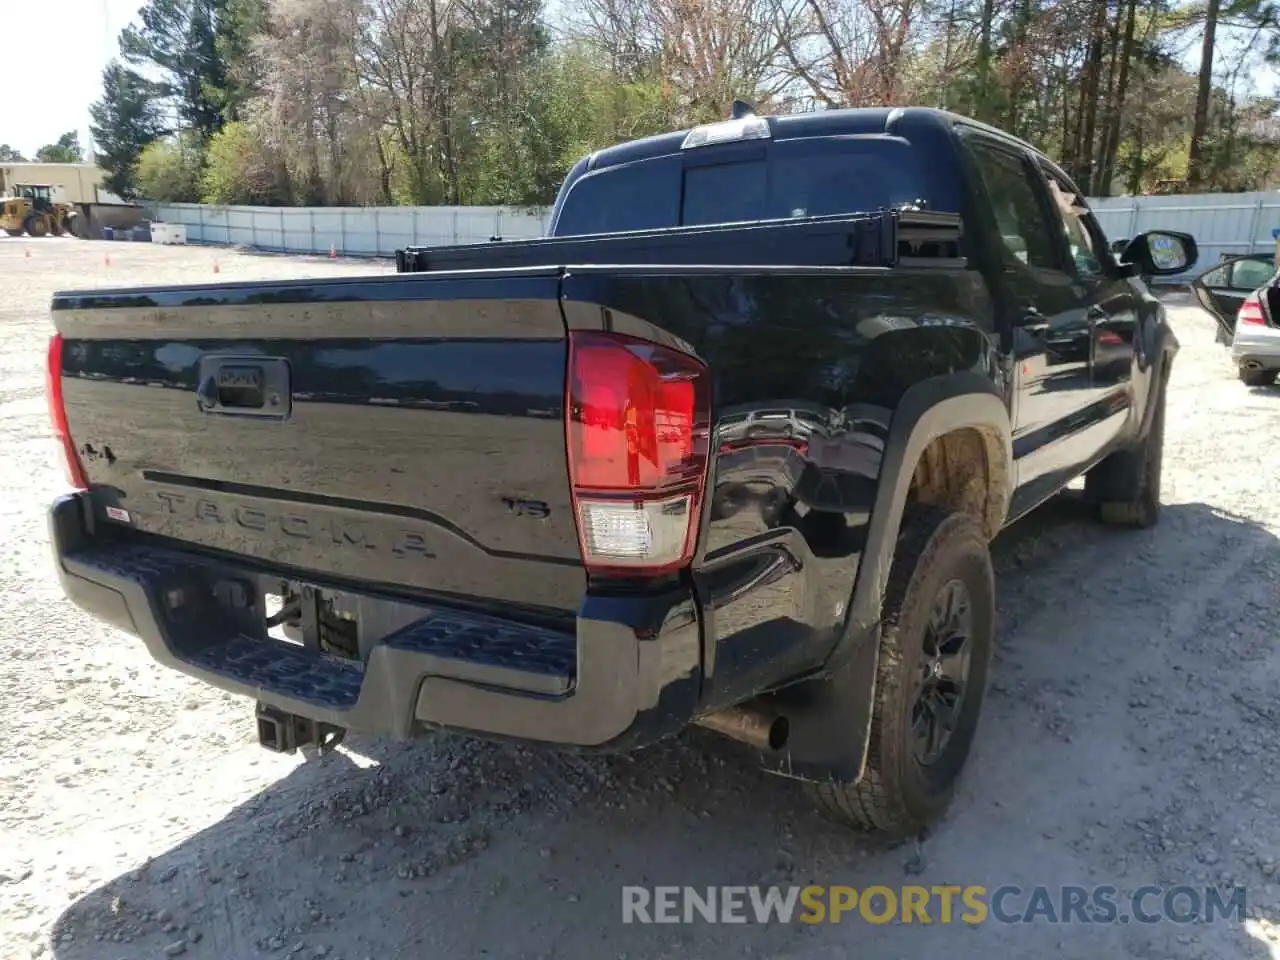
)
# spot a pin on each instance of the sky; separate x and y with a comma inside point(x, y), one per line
point(51, 83)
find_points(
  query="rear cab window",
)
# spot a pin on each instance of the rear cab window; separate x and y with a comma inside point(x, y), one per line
point(644, 195)
point(802, 177)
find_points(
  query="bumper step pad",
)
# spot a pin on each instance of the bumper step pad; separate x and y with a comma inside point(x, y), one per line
point(202, 638)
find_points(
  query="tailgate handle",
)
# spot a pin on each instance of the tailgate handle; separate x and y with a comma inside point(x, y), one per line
point(244, 387)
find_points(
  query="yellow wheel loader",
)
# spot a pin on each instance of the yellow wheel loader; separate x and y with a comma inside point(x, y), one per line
point(31, 209)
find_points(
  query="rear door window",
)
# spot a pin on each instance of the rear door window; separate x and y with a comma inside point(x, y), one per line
point(1083, 240)
point(1021, 218)
point(1244, 274)
point(1251, 274)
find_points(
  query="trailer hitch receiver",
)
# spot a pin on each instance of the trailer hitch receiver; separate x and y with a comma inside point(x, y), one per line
point(283, 732)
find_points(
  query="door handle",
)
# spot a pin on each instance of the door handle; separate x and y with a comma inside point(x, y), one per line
point(251, 386)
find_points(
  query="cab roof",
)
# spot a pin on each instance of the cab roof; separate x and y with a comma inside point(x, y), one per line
point(821, 123)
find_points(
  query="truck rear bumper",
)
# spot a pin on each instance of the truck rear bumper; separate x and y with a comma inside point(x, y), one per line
point(632, 666)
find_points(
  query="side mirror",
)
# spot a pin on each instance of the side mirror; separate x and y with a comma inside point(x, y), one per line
point(1117, 246)
point(1161, 253)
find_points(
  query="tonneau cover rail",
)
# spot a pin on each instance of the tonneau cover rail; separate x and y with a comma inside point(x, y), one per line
point(886, 238)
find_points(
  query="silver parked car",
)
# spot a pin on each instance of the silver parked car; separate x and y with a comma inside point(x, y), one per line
point(1243, 295)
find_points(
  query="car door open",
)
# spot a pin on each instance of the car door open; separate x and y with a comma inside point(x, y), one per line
point(1224, 288)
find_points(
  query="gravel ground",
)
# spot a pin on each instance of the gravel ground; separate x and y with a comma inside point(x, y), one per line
point(1128, 739)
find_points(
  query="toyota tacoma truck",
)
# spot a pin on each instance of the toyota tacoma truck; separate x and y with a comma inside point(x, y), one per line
point(726, 448)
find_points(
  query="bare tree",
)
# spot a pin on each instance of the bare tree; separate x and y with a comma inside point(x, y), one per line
point(309, 96)
point(623, 30)
point(408, 50)
point(716, 50)
point(707, 52)
point(852, 52)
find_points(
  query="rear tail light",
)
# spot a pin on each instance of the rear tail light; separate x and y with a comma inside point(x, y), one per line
point(637, 421)
point(58, 415)
point(1251, 311)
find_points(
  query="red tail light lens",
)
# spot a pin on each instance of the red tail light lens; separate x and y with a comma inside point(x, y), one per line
point(1251, 312)
point(636, 425)
point(58, 415)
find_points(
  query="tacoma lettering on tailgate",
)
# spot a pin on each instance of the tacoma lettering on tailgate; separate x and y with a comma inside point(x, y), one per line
point(279, 524)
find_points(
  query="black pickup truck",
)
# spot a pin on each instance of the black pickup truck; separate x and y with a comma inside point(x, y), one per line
point(727, 448)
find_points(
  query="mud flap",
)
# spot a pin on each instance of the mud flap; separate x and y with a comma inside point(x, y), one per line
point(830, 716)
point(830, 719)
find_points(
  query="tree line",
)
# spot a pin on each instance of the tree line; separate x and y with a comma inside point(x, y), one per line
point(66, 149)
point(321, 102)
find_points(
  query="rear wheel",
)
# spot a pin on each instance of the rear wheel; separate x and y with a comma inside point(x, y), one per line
point(1257, 378)
point(938, 632)
point(13, 233)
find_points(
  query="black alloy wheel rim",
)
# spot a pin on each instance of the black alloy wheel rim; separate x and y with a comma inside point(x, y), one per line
point(943, 673)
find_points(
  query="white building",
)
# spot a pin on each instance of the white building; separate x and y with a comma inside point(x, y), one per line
point(72, 182)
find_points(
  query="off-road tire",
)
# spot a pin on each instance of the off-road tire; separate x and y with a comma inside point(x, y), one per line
point(898, 797)
point(1257, 378)
point(35, 226)
point(13, 233)
point(1126, 485)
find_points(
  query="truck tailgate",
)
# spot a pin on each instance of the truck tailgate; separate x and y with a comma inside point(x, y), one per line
point(385, 430)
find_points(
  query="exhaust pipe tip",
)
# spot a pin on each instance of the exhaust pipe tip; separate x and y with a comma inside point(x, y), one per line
point(779, 733)
point(750, 724)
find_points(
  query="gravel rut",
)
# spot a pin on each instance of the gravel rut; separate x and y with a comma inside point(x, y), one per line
point(1129, 738)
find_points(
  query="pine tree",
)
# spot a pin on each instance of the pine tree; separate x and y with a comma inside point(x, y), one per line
point(238, 23)
point(179, 39)
point(125, 120)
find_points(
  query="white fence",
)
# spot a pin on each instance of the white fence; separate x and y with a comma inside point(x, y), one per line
point(1222, 223)
point(349, 231)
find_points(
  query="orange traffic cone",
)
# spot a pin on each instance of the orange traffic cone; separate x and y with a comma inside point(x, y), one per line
point(216, 268)
point(27, 254)
point(333, 252)
point(106, 259)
